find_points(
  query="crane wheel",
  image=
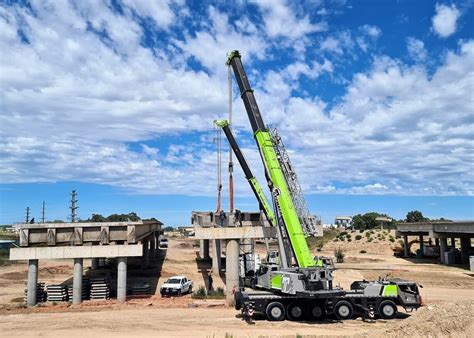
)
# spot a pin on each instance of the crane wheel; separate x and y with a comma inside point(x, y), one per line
point(295, 311)
point(387, 309)
point(315, 311)
point(275, 311)
point(343, 310)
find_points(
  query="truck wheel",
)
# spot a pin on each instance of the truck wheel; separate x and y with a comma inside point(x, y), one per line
point(343, 310)
point(294, 311)
point(190, 291)
point(315, 312)
point(179, 293)
point(387, 309)
point(238, 300)
point(275, 311)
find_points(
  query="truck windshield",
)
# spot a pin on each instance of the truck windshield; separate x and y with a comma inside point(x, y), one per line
point(173, 281)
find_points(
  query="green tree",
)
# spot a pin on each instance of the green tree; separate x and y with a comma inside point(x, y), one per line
point(415, 216)
point(97, 218)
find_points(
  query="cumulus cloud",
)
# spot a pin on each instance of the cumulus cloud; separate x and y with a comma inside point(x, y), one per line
point(281, 20)
point(416, 49)
point(444, 21)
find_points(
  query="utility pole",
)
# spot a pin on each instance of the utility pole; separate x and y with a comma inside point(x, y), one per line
point(27, 219)
point(42, 212)
point(73, 206)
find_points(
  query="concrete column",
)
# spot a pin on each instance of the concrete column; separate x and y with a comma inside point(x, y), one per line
point(406, 250)
point(436, 241)
point(453, 242)
point(216, 256)
point(232, 270)
point(121, 279)
point(443, 247)
point(146, 255)
point(94, 263)
point(204, 249)
point(421, 244)
point(32, 282)
point(152, 247)
point(77, 281)
point(465, 249)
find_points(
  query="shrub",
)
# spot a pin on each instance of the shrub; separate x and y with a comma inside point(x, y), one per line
point(367, 234)
point(348, 236)
point(361, 230)
point(343, 233)
point(336, 240)
point(349, 240)
point(370, 239)
point(362, 251)
point(358, 237)
point(339, 254)
point(382, 238)
point(391, 239)
point(200, 293)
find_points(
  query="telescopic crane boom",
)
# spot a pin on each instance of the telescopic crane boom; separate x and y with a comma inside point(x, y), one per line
point(286, 215)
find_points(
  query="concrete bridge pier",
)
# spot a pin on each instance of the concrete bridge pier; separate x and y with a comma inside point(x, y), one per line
point(216, 256)
point(406, 250)
point(465, 249)
point(443, 247)
point(204, 249)
point(77, 281)
point(232, 270)
point(94, 263)
point(121, 279)
point(32, 282)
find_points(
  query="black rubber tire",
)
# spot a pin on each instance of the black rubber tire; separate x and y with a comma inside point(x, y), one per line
point(295, 311)
point(190, 291)
point(343, 310)
point(315, 311)
point(275, 311)
point(387, 309)
point(238, 300)
point(179, 293)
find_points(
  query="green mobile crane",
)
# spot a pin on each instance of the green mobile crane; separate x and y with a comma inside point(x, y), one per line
point(300, 285)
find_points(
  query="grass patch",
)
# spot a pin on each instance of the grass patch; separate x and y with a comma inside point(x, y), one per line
point(202, 293)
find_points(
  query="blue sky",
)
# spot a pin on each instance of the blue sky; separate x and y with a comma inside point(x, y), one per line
point(116, 100)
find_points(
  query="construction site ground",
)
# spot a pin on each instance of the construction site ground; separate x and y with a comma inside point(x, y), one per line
point(448, 295)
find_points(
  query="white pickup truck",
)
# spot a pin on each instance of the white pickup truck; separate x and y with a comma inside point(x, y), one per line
point(176, 285)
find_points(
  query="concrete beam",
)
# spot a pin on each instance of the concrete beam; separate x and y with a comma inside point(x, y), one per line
point(235, 232)
point(465, 250)
point(65, 252)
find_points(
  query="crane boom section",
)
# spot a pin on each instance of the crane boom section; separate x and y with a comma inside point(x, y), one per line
point(256, 188)
point(274, 171)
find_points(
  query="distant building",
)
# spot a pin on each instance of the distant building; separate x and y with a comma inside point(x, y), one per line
point(343, 222)
point(383, 221)
point(186, 231)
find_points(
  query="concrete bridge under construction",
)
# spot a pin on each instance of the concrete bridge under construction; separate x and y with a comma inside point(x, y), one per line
point(77, 241)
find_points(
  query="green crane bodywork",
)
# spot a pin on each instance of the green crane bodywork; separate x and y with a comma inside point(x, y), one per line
point(275, 177)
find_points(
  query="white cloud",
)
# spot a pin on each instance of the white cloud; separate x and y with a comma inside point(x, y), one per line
point(283, 21)
point(444, 21)
point(372, 31)
point(416, 49)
